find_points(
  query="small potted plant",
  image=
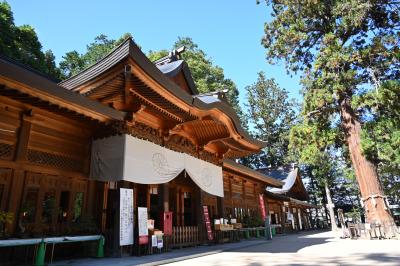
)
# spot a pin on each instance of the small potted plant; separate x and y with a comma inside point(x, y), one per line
point(5, 218)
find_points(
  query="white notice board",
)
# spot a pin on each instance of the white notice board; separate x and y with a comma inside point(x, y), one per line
point(126, 217)
point(142, 221)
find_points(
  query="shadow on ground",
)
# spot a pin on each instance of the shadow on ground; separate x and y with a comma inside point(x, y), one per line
point(286, 244)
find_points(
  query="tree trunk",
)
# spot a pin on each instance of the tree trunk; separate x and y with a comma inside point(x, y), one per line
point(376, 209)
point(330, 207)
point(326, 211)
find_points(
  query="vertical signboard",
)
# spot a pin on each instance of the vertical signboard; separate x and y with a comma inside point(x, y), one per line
point(210, 236)
point(126, 217)
point(166, 223)
point(142, 225)
point(262, 207)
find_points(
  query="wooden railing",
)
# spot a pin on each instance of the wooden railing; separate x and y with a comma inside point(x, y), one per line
point(183, 236)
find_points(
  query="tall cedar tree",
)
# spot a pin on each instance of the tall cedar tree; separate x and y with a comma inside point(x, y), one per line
point(341, 48)
point(271, 114)
point(22, 44)
point(381, 134)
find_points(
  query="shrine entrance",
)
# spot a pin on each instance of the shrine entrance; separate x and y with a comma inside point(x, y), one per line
point(183, 196)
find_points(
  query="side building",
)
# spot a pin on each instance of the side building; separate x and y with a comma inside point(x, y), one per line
point(289, 210)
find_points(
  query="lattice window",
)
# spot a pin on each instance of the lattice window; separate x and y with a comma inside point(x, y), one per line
point(57, 161)
point(6, 151)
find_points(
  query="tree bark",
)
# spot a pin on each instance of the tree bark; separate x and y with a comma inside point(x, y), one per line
point(373, 198)
point(329, 205)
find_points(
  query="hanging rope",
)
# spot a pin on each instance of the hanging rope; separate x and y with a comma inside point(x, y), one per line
point(374, 203)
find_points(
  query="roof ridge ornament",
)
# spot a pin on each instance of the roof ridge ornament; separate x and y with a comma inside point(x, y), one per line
point(172, 56)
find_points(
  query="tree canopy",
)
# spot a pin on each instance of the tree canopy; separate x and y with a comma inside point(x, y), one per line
point(74, 62)
point(271, 114)
point(343, 49)
point(21, 43)
point(340, 48)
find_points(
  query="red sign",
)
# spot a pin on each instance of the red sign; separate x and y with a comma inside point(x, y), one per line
point(208, 223)
point(166, 223)
point(262, 207)
point(143, 240)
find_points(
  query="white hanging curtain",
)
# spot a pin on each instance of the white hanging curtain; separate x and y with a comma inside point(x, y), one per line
point(148, 163)
point(128, 158)
point(206, 175)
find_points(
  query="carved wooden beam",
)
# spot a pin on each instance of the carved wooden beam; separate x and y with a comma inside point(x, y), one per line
point(127, 74)
point(159, 108)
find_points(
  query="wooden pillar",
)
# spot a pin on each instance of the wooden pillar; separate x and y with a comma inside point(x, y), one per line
point(23, 137)
point(103, 197)
point(18, 179)
point(200, 215)
point(92, 203)
point(165, 196)
point(283, 215)
point(116, 249)
point(244, 202)
point(300, 223)
point(15, 198)
point(231, 196)
point(220, 206)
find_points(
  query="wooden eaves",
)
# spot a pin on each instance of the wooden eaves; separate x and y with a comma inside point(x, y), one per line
point(248, 172)
point(32, 87)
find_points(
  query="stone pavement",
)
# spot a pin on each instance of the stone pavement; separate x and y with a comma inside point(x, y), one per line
point(309, 248)
point(163, 258)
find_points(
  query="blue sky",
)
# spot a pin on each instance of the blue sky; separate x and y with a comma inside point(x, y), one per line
point(228, 31)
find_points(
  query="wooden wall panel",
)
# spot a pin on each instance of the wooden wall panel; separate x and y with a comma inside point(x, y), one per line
point(249, 190)
point(5, 187)
point(237, 188)
point(10, 120)
point(59, 143)
point(43, 152)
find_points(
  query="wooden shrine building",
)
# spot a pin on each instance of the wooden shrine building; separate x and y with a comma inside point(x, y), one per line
point(288, 206)
point(67, 149)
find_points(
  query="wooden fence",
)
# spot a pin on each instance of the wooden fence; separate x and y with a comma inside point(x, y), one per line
point(183, 236)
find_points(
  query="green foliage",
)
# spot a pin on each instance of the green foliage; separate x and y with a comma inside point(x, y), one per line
point(22, 44)
point(271, 115)
point(381, 133)
point(332, 170)
point(254, 220)
point(342, 49)
point(336, 45)
point(308, 141)
point(355, 214)
point(6, 217)
point(73, 62)
point(207, 76)
point(155, 55)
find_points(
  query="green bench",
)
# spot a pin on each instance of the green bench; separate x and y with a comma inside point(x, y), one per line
point(41, 244)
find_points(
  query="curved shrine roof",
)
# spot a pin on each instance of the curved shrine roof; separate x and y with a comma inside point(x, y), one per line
point(290, 176)
point(174, 68)
point(252, 173)
point(40, 88)
point(128, 50)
